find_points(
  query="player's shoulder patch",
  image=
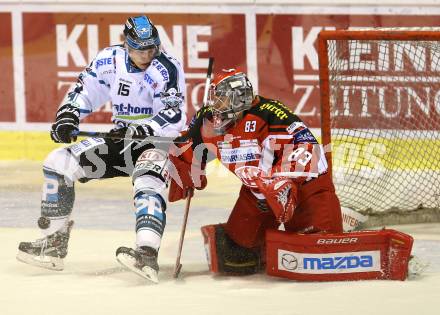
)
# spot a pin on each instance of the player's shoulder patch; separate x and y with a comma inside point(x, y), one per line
point(105, 59)
point(163, 68)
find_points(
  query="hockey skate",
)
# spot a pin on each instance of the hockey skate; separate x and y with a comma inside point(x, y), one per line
point(142, 261)
point(47, 252)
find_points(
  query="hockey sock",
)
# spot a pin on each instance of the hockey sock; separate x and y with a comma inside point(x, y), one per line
point(150, 219)
point(56, 203)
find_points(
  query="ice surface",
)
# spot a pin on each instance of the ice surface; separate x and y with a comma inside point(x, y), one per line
point(94, 283)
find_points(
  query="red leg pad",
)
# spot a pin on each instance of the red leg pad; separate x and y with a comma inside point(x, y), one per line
point(208, 232)
point(360, 255)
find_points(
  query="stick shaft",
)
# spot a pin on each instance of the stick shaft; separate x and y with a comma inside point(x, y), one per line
point(208, 80)
point(153, 139)
point(178, 265)
point(190, 192)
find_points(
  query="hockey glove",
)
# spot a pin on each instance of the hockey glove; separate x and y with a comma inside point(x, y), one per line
point(67, 121)
point(281, 195)
point(184, 179)
point(130, 131)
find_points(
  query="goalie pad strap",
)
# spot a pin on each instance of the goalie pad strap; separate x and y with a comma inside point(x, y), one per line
point(382, 254)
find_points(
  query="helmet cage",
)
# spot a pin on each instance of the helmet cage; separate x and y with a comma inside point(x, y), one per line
point(229, 97)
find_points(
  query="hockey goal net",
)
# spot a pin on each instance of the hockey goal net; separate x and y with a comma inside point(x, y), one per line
point(380, 107)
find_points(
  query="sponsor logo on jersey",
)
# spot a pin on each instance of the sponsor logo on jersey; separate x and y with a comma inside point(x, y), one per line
point(247, 174)
point(295, 127)
point(150, 81)
point(85, 145)
point(152, 155)
point(107, 72)
point(125, 81)
point(224, 144)
point(248, 143)
point(128, 109)
point(343, 262)
point(103, 61)
point(162, 70)
point(304, 136)
point(239, 155)
point(277, 108)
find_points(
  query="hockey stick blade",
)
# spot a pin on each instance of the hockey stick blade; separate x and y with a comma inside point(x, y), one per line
point(177, 271)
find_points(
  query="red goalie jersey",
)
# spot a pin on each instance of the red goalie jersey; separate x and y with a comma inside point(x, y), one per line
point(269, 143)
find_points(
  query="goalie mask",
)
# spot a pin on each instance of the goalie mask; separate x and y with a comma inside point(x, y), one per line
point(140, 33)
point(230, 94)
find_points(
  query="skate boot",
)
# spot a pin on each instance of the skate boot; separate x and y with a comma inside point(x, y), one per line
point(142, 261)
point(47, 252)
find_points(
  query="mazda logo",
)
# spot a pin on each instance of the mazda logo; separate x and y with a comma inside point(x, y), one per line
point(289, 261)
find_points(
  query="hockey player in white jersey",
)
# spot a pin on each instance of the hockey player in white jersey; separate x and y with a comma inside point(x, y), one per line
point(147, 89)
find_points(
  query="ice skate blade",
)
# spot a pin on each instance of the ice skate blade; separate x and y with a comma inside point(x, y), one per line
point(46, 262)
point(146, 272)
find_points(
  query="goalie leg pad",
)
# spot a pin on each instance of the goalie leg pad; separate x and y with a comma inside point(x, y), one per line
point(226, 256)
point(247, 222)
point(361, 255)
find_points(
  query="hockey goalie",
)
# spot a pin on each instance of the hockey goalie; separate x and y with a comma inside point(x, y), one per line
point(287, 218)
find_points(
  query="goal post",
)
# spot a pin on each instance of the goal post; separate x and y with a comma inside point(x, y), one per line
point(380, 121)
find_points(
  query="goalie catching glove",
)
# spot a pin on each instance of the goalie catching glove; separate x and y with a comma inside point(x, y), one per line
point(66, 123)
point(281, 195)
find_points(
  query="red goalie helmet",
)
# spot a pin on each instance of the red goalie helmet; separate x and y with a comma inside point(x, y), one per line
point(230, 94)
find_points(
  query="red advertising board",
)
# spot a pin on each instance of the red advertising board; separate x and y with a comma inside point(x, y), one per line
point(57, 46)
point(7, 112)
point(288, 58)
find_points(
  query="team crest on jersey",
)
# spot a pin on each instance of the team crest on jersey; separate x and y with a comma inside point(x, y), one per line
point(247, 175)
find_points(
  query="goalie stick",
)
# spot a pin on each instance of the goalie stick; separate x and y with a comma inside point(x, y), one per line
point(178, 265)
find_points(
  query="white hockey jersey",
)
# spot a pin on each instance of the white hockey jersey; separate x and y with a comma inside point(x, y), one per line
point(134, 93)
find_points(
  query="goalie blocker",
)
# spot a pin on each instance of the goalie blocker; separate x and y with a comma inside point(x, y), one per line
point(365, 255)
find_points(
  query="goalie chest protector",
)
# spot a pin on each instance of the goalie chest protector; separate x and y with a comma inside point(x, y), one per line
point(382, 254)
